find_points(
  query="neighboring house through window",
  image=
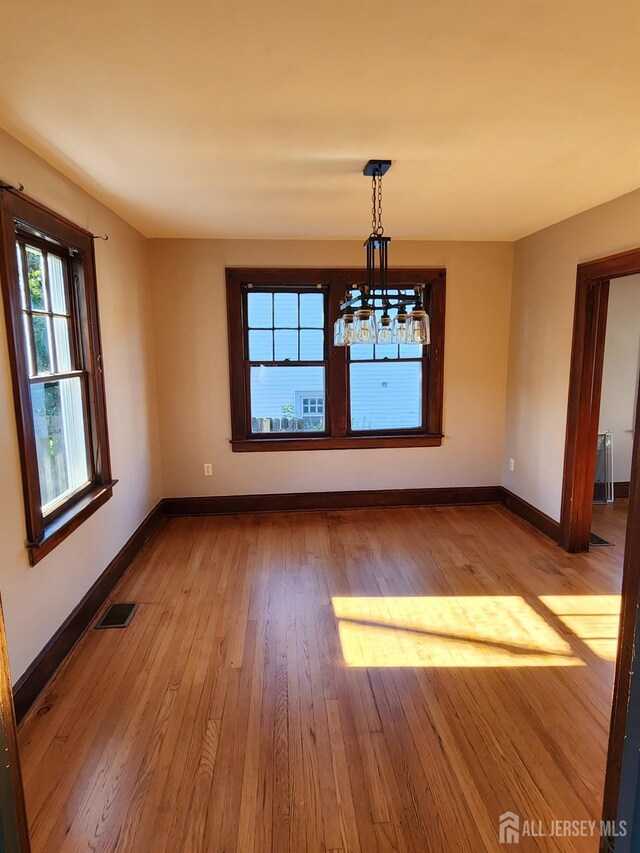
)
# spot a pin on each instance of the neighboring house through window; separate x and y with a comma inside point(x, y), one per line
point(310, 407)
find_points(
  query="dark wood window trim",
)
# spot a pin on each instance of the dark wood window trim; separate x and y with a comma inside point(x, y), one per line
point(337, 436)
point(21, 216)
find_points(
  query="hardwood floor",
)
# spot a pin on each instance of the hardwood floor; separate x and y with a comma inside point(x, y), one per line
point(365, 680)
point(610, 521)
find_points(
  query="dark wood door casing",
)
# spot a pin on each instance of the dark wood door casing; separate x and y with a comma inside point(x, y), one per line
point(585, 384)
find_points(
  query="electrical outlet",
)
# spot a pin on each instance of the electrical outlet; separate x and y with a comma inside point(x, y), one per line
point(208, 469)
point(512, 464)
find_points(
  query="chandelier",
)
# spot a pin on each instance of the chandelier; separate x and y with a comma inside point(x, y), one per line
point(371, 311)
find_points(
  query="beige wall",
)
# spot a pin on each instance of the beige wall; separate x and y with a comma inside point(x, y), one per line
point(192, 364)
point(506, 379)
point(37, 600)
point(542, 305)
point(620, 371)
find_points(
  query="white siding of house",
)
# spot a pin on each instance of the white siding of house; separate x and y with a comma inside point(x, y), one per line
point(273, 388)
point(386, 395)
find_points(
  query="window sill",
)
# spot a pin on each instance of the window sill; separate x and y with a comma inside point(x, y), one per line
point(251, 445)
point(57, 530)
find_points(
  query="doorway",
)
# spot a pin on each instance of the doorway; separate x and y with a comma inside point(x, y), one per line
point(583, 425)
point(617, 409)
point(585, 390)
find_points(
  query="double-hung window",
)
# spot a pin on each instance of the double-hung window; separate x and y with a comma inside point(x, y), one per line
point(291, 388)
point(286, 363)
point(386, 383)
point(52, 322)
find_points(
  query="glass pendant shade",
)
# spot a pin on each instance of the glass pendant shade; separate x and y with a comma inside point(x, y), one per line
point(365, 326)
point(385, 333)
point(399, 328)
point(349, 330)
point(367, 305)
point(419, 330)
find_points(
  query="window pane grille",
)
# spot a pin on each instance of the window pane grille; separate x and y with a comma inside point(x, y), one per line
point(60, 418)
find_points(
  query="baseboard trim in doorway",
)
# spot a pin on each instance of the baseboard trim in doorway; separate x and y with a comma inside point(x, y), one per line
point(30, 685)
point(621, 490)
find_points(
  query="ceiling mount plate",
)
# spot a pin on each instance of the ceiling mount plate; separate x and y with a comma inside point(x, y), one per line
point(375, 167)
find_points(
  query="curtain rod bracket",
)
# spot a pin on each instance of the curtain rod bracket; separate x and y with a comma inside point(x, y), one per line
point(19, 188)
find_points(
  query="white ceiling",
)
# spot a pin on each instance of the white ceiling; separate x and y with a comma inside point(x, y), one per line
point(233, 118)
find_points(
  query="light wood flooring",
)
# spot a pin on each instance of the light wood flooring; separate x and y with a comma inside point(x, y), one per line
point(369, 680)
point(610, 521)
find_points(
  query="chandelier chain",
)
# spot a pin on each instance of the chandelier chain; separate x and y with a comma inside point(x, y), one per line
point(373, 204)
point(377, 228)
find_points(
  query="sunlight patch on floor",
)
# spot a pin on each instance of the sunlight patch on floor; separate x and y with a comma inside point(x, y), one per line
point(592, 618)
point(447, 631)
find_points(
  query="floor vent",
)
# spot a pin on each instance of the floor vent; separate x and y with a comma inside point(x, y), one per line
point(118, 615)
point(594, 539)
